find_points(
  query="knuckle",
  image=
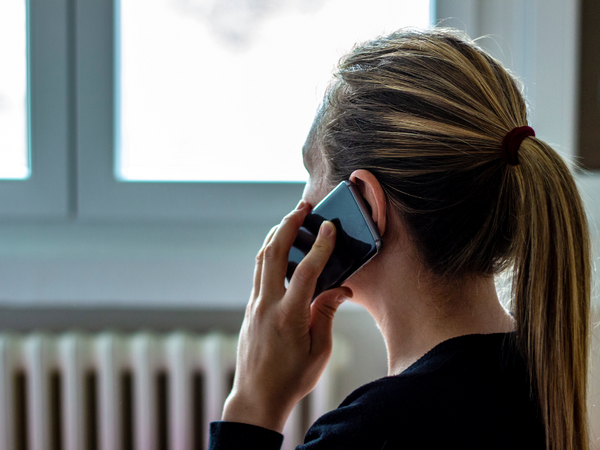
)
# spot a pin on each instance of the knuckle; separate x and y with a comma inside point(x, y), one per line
point(284, 323)
point(271, 251)
point(260, 256)
point(327, 309)
point(306, 272)
point(288, 216)
point(322, 246)
point(260, 310)
point(292, 217)
point(248, 311)
point(269, 236)
point(321, 251)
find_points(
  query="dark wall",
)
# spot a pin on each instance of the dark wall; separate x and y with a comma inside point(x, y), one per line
point(589, 85)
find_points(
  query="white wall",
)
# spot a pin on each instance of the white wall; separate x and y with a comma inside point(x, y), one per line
point(141, 264)
point(131, 259)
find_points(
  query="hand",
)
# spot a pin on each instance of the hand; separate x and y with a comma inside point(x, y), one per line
point(285, 341)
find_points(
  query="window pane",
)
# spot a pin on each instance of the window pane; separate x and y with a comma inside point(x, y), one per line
point(14, 155)
point(226, 90)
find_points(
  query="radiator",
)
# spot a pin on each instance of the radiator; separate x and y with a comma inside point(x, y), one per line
point(141, 391)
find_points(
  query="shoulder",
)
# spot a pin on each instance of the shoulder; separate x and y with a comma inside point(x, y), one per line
point(374, 414)
point(467, 391)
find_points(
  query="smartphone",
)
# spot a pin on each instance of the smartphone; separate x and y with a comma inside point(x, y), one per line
point(357, 237)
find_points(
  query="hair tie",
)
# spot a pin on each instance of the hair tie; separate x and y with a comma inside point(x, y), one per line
point(512, 142)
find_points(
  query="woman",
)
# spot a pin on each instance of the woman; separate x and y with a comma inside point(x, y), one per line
point(433, 132)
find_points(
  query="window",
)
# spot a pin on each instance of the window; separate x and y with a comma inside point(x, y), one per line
point(227, 90)
point(73, 233)
point(100, 194)
point(14, 155)
point(36, 142)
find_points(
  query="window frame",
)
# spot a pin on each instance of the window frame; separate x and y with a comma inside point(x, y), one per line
point(100, 194)
point(48, 192)
point(72, 74)
point(77, 237)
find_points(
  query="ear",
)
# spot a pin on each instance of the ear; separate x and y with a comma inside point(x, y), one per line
point(373, 194)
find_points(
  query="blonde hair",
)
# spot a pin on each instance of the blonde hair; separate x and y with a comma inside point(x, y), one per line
point(426, 112)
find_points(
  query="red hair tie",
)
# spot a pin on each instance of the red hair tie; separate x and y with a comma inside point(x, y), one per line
point(512, 142)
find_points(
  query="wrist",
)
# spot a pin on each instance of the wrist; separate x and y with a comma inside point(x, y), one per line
point(243, 409)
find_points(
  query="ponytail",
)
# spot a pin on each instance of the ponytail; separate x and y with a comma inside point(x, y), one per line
point(427, 113)
point(551, 291)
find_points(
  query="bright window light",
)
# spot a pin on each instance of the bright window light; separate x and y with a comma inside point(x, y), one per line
point(226, 90)
point(14, 154)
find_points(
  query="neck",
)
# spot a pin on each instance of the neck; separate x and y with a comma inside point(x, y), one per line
point(415, 314)
point(412, 329)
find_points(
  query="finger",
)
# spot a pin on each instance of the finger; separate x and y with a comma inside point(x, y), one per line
point(275, 261)
point(303, 282)
point(323, 310)
point(259, 264)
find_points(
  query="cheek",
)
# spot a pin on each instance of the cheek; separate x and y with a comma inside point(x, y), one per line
point(314, 192)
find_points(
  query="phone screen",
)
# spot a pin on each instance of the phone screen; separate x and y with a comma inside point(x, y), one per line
point(357, 239)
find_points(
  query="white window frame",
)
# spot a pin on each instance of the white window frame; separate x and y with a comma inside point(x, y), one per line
point(101, 195)
point(549, 28)
point(113, 243)
point(48, 192)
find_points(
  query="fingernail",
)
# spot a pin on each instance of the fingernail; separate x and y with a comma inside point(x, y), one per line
point(326, 228)
point(301, 204)
point(341, 299)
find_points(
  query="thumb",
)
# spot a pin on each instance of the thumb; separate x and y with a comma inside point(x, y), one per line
point(322, 311)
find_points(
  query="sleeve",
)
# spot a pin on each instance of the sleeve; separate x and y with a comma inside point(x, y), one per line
point(355, 426)
point(379, 416)
point(239, 436)
point(382, 415)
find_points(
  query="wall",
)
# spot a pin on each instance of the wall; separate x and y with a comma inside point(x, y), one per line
point(160, 275)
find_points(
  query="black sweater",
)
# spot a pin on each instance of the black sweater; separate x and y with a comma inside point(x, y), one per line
point(470, 392)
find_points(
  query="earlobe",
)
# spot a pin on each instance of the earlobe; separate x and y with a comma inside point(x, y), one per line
point(374, 196)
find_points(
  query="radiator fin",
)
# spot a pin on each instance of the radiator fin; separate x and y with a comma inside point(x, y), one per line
point(144, 391)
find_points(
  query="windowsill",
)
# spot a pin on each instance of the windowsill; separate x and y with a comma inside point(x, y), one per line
point(146, 264)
